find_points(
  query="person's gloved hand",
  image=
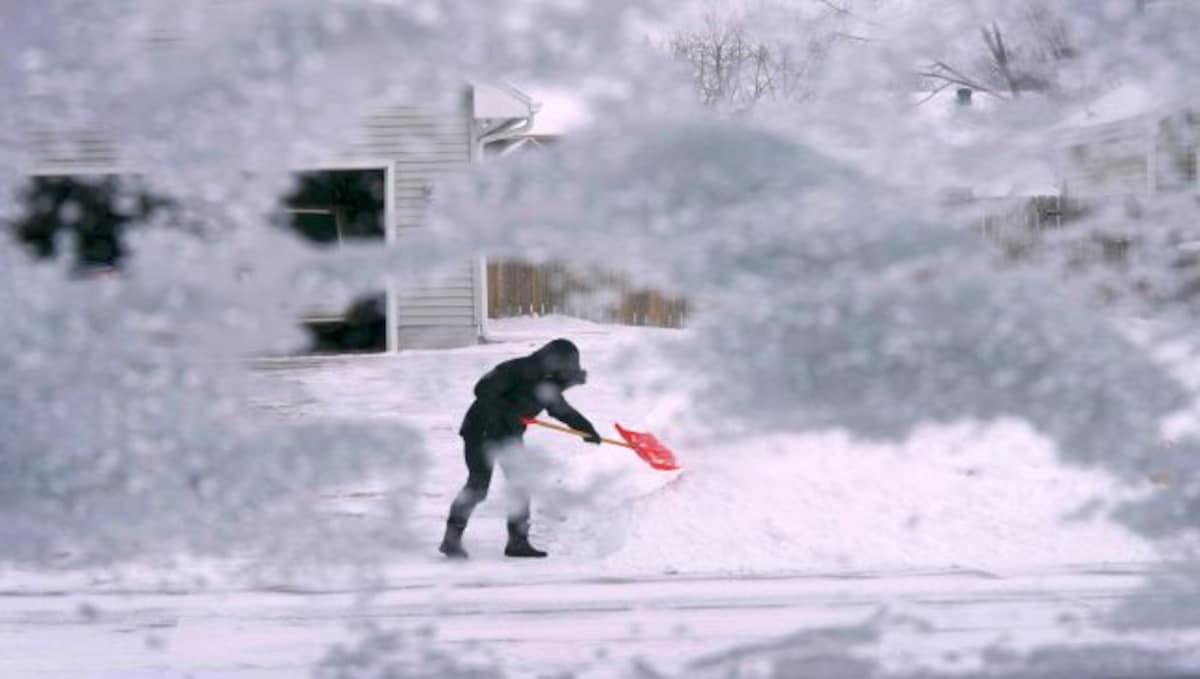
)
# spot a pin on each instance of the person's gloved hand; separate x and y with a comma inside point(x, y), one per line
point(592, 437)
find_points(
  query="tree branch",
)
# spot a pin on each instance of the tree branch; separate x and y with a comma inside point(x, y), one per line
point(837, 9)
point(1001, 57)
point(936, 91)
point(731, 66)
point(964, 81)
point(957, 77)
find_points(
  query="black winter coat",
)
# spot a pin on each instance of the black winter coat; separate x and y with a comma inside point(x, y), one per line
point(523, 387)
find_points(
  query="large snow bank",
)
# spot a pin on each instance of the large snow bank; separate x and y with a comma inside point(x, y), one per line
point(972, 495)
point(828, 302)
point(968, 496)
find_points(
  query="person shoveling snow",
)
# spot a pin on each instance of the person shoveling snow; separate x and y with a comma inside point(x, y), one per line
point(494, 427)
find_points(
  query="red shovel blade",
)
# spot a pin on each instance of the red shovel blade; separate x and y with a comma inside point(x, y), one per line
point(649, 449)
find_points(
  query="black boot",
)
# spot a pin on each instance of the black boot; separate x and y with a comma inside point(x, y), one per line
point(452, 542)
point(518, 541)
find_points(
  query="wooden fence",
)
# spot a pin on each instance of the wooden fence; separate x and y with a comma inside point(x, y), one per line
point(1018, 227)
point(522, 289)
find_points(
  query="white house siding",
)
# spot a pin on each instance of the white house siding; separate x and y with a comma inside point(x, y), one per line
point(1177, 147)
point(1138, 155)
point(1108, 160)
point(425, 145)
point(82, 151)
point(422, 145)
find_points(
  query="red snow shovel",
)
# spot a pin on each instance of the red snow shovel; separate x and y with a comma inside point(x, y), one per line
point(645, 445)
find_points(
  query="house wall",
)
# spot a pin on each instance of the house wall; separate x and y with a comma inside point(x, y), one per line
point(83, 151)
point(421, 145)
point(1108, 160)
point(424, 146)
point(1135, 156)
point(1177, 143)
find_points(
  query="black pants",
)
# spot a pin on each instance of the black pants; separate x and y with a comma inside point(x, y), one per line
point(481, 457)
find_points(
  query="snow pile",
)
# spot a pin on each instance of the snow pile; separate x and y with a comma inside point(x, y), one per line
point(985, 497)
point(976, 495)
point(970, 494)
point(825, 304)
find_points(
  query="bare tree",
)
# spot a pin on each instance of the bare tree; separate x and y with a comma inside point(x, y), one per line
point(732, 68)
point(1010, 60)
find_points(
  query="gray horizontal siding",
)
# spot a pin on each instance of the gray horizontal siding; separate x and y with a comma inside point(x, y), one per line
point(436, 321)
point(437, 337)
point(455, 285)
point(425, 147)
point(449, 302)
point(83, 150)
point(438, 308)
point(1107, 160)
point(1121, 176)
point(449, 293)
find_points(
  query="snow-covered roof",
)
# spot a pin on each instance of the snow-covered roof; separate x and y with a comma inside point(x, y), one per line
point(1122, 103)
point(498, 101)
point(556, 111)
point(561, 112)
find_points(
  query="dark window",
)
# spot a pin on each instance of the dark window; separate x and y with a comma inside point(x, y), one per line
point(335, 206)
point(87, 214)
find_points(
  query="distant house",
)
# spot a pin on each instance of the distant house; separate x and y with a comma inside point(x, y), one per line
point(1121, 144)
point(1008, 198)
point(376, 186)
point(1125, 144)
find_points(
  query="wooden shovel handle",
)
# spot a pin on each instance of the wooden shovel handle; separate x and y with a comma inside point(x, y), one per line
point(568, 430)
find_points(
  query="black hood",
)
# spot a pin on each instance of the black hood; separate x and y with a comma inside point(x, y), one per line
point(559, 360)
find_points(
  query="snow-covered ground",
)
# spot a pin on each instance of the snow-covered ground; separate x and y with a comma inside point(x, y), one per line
point(974, 495)
point(975, 528)
point(527, 621)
